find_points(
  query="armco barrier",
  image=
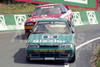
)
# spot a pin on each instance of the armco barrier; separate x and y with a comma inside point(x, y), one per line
point(16, 21)
point(86, 17)
point(12, 21)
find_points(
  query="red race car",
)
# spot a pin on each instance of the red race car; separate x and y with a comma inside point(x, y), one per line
point(47, 11)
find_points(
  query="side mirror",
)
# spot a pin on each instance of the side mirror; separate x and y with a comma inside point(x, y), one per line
point(29, 15)
point(30, 31)
point(63, 12)
point(72, 31)
point(69, 25)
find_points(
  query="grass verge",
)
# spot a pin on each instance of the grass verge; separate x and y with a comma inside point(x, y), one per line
point(98, 58)
point(18, 8)
point(21, 8)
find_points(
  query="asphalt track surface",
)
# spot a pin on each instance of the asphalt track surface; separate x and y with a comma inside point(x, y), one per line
point(13, 43)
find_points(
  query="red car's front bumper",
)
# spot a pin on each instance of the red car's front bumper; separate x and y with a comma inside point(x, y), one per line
point(28, 29)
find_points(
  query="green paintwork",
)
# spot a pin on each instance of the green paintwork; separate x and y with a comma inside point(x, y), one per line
point(49, 40)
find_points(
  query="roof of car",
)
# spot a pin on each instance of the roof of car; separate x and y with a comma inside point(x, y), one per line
point(53, 19)
point(49, 5)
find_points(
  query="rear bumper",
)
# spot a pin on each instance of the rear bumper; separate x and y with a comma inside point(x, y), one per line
point(49, 58)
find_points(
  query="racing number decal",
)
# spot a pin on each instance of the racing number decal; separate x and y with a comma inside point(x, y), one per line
point(2, 23)
point(20, 20)
point(92, 17)
point(77, 19)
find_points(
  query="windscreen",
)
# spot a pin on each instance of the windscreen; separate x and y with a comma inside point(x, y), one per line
point(47, 10)
point(51, 27)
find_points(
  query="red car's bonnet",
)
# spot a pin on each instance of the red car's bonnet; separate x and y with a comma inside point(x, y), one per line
point(35, 18)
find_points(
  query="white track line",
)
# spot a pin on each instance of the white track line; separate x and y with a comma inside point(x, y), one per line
point(66, 65)
point(87, 42)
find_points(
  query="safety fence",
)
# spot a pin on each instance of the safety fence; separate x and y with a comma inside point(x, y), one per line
point(12, 21)
point(9, 22)
point(86, 17)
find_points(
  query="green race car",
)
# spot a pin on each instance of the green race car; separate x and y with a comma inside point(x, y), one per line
point(51, 39)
